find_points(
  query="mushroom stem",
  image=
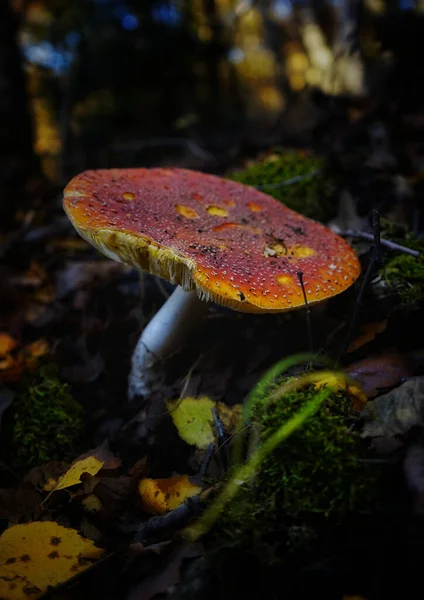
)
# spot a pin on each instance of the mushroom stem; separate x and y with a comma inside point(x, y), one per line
point(163, 336)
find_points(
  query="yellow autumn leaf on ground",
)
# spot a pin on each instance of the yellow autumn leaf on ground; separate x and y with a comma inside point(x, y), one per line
point(194, 420)
point(89, 464)
point(159, 496)
point(7, 344)
point(339, 383)
point(36, 556)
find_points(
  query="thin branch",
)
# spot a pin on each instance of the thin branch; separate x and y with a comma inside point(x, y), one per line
point(375, 259)
point(370, 237)
point(285, 182)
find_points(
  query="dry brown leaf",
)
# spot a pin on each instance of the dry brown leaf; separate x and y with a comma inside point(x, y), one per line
point(379, 373)
point(393, 414)
point(162, 580)
point(11, 369)
point(159, 496)
point(368, 332)
point(44, 475)
point(40, 555)
point(230, 416)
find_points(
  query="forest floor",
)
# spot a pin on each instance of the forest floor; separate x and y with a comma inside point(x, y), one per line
point(76, 454)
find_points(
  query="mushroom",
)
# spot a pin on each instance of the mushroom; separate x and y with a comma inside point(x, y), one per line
point(218, 240)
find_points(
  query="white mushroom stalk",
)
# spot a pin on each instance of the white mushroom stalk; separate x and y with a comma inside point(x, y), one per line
point(164, 335)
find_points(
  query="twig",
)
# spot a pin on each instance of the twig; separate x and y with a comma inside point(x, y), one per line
point(221, 435)
point(375, 259)
point(370, 237)
point(172, 519)
point(268, 186)
point(308, 314)
point(207, 459)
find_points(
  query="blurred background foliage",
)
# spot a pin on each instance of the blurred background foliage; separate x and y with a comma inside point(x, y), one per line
point(189, 82)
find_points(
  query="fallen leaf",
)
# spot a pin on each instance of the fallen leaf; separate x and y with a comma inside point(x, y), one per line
point(86, 274)
point(368, 332)
point(7, 344)
point(230, 416)
point(194, 420)
point(380, 373)
point(115, 494)
point(36, 349)
point(89, 463)
point(12, 366)
point(339, 383)
point(159, 496)
point(92, 503)
point(37, 556)
point(166, 577)
point(19, 504)
point(103, 453)
point(393, 414)
point(34, 277)
point(45, 476)
point(11, 369)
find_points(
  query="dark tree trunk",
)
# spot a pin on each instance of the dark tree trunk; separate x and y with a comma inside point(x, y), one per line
point(17, 159)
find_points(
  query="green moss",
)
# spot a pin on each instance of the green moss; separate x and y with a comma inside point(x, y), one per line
point(402, 275)
point(48, 422)
point(316, 469)
point(311, 196)
point(314, 477)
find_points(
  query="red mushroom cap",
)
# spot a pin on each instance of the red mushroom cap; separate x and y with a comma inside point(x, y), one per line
point(234, 244)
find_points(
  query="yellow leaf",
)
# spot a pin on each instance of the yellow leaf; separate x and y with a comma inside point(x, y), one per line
point(339, 383)
point(7, 344)
point(36, 556)
point(92, 503)
point(159, 496)
point(194, 420)
point(91, 462)
point(90, 465)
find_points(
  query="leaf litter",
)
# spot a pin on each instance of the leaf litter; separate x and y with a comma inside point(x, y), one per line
point(84, 313)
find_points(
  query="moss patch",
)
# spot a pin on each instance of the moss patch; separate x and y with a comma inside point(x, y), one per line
point(402, 275)
point(311, 196)
point(48, 422)
point(308, 484)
